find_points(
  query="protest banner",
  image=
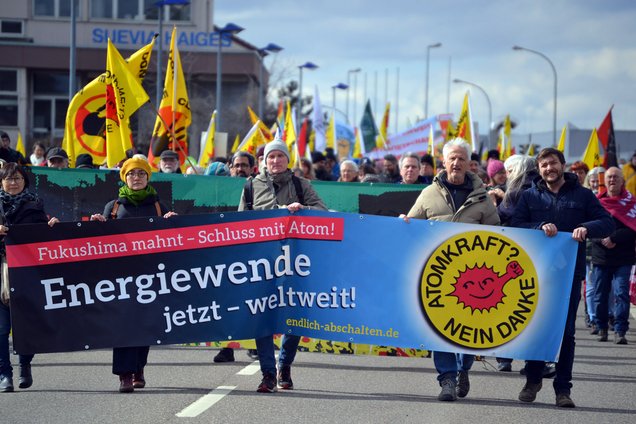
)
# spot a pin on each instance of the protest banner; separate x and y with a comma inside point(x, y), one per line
point(486, 290)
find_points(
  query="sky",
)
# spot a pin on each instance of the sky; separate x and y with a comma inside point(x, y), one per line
point(592, 44)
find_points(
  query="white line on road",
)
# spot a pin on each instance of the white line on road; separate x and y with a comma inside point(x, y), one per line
point(205, 402)
point(250, 369)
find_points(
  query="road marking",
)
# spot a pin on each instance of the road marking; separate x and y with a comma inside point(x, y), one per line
point(251, 369)
point(205, 402)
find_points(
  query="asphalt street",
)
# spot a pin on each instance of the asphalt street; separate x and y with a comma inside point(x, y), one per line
point(184, 386)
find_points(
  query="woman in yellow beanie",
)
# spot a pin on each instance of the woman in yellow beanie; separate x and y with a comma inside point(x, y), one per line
point(136, 199)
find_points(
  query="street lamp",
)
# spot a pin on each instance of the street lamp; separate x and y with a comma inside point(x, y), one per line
point(457, 80)
point(554, 118)
point(274, 48)
point(230, 29)
point(349, 72)
point(160, 5)
point(339, 86)
point(306, 65)
point(428, 57)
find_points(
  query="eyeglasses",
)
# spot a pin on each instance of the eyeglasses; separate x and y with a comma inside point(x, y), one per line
point(14, 179)
point(139, 174)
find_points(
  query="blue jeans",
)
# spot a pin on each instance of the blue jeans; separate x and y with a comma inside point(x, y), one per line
point(590, 286)
point(563, 379)
point(266, 356)
point(448, 364)
point(5, 359)
point(612, 279)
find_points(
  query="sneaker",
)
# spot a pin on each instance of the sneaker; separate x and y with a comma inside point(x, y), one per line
point(463, 384)
point(268, 384)
point(448, 393)
point(253, 354)
point(284, 377)
point(225, 355)
point(620, 339)
point(126, 383)
point(504, 366)
point(602, 335)
point(529, 391)
point(563, 400)
point(139, 382)
point(26, 378)
point(6, 384)
point(549, 370)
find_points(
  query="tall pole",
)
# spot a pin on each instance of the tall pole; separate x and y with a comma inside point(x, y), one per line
point(448, 84)
point(397, 99)
point(159, 76)
point(456, 80)
point(262, 54)
point(71, 66)
point(428, 58)
point(349, 72)
point(300, 98)
point(219, 73)
point(355, 97)
point(554, 117)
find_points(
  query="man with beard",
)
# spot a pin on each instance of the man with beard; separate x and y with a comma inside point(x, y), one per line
point(558, 202)
point(391, 170)
point(242, 165)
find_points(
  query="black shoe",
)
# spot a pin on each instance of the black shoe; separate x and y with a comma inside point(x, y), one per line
point(529, 391)
point(268, 384)
point(594, 330)
point(504, 366)
point(284, 378)
point(449, 391)
point(549, 370)
point(225, 355)
point(26, 379)
point(253, 354)
point(139, 381)
point(588, 321)
point(602, 335)
point(126, 383)
point(463, 384)
point(563, 400)
point(6, 384)
point(620, 339)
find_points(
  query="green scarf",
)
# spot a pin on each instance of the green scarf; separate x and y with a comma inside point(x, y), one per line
point(136, 197)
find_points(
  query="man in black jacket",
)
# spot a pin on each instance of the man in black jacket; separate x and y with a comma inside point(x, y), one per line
point(557, 202)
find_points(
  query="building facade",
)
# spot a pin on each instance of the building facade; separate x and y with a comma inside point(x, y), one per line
point(35, 52)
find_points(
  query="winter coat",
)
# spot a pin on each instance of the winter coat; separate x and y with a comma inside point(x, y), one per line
point(435, 202)
point(127, 209)
point(573, 206)
point(619, 255)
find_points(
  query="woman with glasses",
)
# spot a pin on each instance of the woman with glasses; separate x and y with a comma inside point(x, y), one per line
point(136, 199)
point(17, 206)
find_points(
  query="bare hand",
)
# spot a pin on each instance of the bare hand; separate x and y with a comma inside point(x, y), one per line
point(3, 230)
point(169, 214)
point(293, 207)
point(405, 218)
point(579, 234)
point(607, 242)
point(550, 230)
point(53, 221)
point(98, 217)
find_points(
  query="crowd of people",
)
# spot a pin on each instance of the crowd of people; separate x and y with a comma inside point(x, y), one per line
point(541, 193)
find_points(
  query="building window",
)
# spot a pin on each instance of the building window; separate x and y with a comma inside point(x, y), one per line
point(102, 9)
point(8, 98)
point(137, 10)
point(10, 27)
point(54, 8)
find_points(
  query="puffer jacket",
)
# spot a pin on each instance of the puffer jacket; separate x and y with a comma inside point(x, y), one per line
point(278, 191)
point(436, 203)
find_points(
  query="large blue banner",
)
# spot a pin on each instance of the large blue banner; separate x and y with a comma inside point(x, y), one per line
point(345, 277)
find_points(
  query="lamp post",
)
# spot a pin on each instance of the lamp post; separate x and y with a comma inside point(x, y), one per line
point(457, 81)
point(339, 86)
point(160, 5)
point(349, 72)
point(306, 65)
point(554, 118)
point(428, 57)
point(230, 29)
point(274, 48)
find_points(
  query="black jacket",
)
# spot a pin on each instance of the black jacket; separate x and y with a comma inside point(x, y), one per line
point(573, 206)
point(622, 253)
point(128, 210)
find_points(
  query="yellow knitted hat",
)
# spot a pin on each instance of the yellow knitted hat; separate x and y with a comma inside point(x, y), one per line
point(134, 163)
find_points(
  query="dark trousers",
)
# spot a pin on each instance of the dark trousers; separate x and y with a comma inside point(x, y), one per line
point(129, 359)
point(563, 379)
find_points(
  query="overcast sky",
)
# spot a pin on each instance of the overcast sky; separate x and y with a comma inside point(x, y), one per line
point(592, 44)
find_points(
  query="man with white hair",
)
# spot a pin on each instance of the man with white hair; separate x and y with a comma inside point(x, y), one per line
point(455, 195)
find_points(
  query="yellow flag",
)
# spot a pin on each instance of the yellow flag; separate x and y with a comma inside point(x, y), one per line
point(253, 117)
point(330, 134)
point(237, 141)
point(19, 145)
point(84, 130)
point(208, 149)
point(266, 131)
point(431, 148)
point(592, 155)
point(252, 140)
point(464, 123)
point(174, 110)
point(289, 135)
point(507, 139)
point(561, 146)
point(380, 140)
point(124, 95)
point(531, 149)
point(357, 153)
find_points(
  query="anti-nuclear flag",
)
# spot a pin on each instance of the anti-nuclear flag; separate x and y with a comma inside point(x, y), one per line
point(85, 127)
point(207, 152)
point(381, 139)
point(252, 140)
point(465, 123)
point(608, 140)
point(330, 134)
point(368, 129)
point(174, 110)
point(255, 118)
point(561, 146)
point(19, 145)
point(592, 155)
point(124, 95)
point(507, 139)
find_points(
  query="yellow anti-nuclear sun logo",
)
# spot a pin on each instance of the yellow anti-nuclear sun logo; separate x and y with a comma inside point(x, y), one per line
point(479, 289)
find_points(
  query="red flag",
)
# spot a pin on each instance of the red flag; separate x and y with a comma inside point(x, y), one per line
point(302, 138)
point(608, 140)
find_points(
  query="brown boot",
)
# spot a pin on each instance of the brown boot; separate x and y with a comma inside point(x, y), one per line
point(126, 383)
point(138, 380)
